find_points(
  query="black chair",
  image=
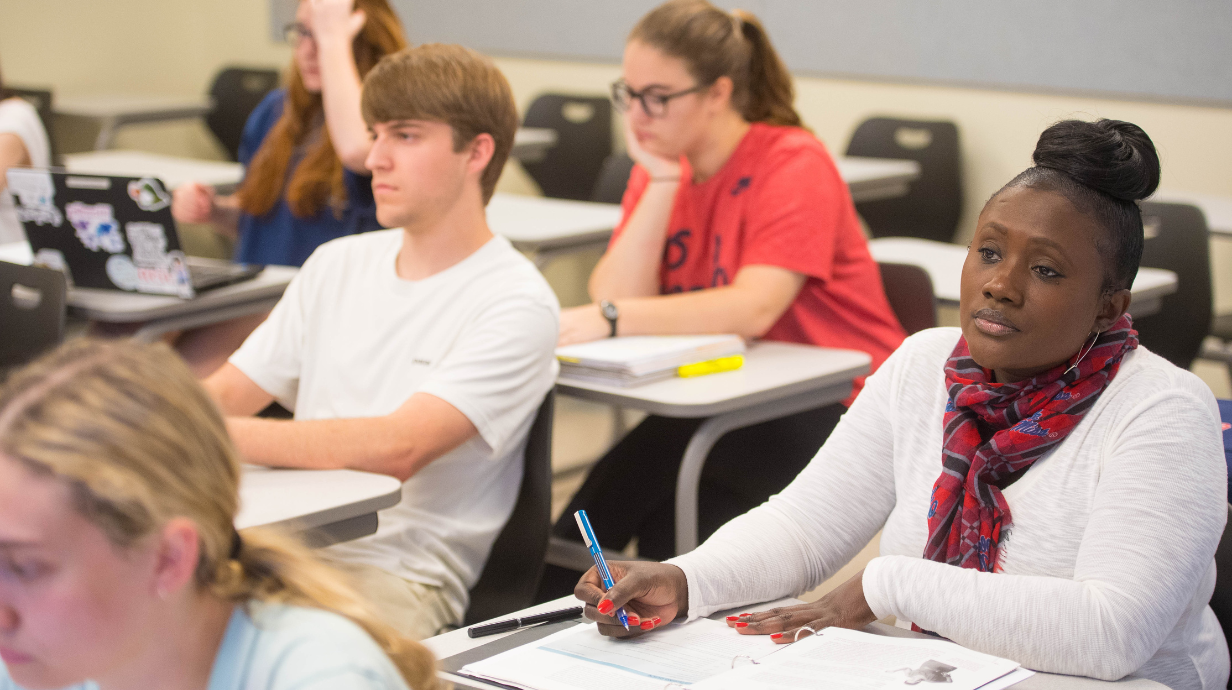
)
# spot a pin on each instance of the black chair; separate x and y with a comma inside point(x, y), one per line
point(515, 564)
point(1177, 239)
point(583, 124)
point(613, 178)
point(934, 203)
point(909, 290)
point(41, 99)
point(236, 91)
point(31, 312)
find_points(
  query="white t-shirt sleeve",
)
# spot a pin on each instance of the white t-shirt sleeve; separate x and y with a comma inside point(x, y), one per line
point(272, 356)
point(1155, 521)
point(20, 118)
point(500, 368)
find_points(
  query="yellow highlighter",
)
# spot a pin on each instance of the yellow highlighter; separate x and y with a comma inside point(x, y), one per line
point(712, 366)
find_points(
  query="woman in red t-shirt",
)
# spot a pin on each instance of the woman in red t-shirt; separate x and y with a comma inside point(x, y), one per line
point(735, 221)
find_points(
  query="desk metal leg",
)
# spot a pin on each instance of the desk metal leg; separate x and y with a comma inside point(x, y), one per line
point(689, 479)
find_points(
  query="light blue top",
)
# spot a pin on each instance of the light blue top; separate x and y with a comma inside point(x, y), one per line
point(290, 648)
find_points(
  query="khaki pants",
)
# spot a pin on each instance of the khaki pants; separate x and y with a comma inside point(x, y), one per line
point(414, 609)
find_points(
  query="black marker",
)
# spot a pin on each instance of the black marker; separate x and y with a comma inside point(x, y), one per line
point(515, 623)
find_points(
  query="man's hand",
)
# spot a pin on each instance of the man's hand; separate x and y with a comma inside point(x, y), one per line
point(843, 607)
point(652, 594)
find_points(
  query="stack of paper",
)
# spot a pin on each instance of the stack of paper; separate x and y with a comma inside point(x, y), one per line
point(632, 360)
point(707, 655)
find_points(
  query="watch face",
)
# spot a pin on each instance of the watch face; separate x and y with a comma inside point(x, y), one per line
point(609, 310)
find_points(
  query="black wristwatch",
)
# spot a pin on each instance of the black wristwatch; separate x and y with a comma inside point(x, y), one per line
point(611, 313)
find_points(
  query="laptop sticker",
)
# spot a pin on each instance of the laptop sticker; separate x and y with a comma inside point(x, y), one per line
point(149, 194)
point(122, 271)
point(36, 195)
point(158, 270)
point(96, 226)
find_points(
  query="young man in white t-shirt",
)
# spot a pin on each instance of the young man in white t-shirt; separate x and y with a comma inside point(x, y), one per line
point(421, 352)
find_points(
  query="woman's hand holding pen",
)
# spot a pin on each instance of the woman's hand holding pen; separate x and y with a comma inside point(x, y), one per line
point(844, 607)
point(652, 595)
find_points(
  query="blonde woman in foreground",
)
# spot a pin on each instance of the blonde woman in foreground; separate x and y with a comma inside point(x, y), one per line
point(119, 564)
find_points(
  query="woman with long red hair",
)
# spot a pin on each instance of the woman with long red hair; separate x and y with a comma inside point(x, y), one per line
point(304, 146)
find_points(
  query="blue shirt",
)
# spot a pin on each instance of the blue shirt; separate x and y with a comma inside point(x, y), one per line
point(280, 238)
point(281, 647)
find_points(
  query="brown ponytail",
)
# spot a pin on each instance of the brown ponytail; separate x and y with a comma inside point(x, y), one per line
point(716, 44)
point(137, 441)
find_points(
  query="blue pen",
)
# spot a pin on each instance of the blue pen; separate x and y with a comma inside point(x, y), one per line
point(592, 543)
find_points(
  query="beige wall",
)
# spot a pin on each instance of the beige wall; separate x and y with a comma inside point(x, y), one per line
point(175, 46)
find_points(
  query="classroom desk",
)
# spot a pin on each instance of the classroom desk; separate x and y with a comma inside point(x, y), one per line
point(870, 179)
point(113, 111)
point(531, 143)
point(172, 170)
point(323, 506)
point(778, 379)
point(1217, 209)
point(944, 262)
point(546, 228)
point(465, 650)
point(160, 314)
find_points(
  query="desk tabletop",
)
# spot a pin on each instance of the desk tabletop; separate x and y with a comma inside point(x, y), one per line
point(771, 371)
point(535, 136)
point(869, 179)
point(457, 642)
point(534, 223)
point(1217, 209)
point(944, 262)
point(16, 253)
point(131, 104)
point(113, 306)
point(304, 499)
point(172, 170)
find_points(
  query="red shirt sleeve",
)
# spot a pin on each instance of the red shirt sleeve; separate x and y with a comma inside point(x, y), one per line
point(796, 212)
point(638, 179)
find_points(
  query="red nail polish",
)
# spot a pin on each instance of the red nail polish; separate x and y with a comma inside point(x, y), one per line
point(742, 624)
point(733, 618)
point(647, 625)
point(605, 607)
point(745, 614)
point(657, 620)
point(634, 620)
point(776, 636)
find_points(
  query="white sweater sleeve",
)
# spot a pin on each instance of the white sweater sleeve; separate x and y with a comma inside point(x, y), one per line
point(1156, 519)
point(802, 535)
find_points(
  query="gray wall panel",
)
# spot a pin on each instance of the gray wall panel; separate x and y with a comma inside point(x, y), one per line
point(1156, 49)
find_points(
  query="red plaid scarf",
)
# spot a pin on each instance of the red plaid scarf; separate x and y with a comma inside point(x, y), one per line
point(995, 431)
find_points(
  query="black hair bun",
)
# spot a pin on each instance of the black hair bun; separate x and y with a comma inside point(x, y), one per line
point(1114, 157)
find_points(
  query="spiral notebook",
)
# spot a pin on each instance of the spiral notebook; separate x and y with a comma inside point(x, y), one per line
point(707, 655)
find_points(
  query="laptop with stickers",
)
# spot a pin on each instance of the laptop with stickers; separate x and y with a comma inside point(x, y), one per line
point(113, 233)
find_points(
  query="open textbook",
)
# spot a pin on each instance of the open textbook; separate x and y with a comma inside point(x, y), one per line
point(707, 655)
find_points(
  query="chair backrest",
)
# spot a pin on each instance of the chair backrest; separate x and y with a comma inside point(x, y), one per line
point(1177, 239)
point(515, 564)
point(236, 91)
point(613, 178)
point(583, 124)
point(41, 99)
point(932, 206)
point(31, 312)
point(910, 292)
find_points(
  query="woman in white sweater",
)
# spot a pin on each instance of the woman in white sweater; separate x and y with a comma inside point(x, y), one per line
point(1047, 490)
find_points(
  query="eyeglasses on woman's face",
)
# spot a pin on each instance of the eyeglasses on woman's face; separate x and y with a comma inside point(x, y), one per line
point(296, 32)
point(653, 104)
